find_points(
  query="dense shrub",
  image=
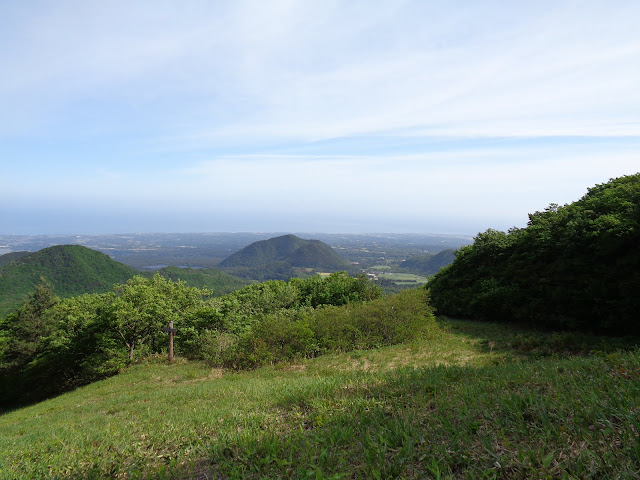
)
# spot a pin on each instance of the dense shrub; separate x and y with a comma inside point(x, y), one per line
point(385, 321)
point(573, 267)
point(336, 289)
point(217, 348)
point(278, 337)
point(307, 332)
point(286, 335)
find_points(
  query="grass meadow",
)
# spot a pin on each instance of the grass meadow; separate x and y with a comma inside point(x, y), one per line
point(403, 277)
point(475, 401)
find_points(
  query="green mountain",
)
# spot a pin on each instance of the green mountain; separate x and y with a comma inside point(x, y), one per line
point(70, 269)
point(429, 264)
point(10, 257)
point(212, 278)
point(575, 266)
point(281, 257)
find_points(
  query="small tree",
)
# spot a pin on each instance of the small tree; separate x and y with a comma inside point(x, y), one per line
point(25, 328)
point(337, 289)
point(141, 307)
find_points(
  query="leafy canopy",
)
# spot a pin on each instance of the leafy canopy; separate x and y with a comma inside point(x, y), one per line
point(575, 266)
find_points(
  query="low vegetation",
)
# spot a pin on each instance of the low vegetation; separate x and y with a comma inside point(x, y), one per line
point(394, 282)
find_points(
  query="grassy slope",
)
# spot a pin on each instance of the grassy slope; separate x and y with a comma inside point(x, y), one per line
point(470, 403)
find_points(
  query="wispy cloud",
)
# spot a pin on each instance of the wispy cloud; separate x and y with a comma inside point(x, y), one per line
point(308, 71)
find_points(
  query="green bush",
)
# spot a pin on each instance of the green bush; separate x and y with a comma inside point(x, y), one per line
point(281, 336)
point(385, 321)
point(337, 289)
point(574, 267)
point(291, 334)
point(287, 335)
point(218, 348)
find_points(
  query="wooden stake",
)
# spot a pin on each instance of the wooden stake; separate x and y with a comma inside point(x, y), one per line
point(171, 331)
point(171, 341)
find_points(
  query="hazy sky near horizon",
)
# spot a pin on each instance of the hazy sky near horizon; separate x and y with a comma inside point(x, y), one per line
point(315, 116)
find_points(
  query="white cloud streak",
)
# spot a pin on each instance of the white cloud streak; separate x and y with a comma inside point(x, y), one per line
point(314, 70)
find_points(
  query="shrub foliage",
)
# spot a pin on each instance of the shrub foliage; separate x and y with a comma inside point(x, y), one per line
point(51, 345)
point(573, 267)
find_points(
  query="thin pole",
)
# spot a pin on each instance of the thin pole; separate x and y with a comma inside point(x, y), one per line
point(171, 341)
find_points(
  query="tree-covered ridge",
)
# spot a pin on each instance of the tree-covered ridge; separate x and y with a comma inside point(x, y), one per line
point(429, 264)
point(575, 266)
point(70, 269)
point(214, 279)
point(10, 257)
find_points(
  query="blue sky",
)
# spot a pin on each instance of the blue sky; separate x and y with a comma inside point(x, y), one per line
point(314, 116)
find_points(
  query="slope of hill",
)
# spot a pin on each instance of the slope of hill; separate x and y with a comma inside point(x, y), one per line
point(429, 264)
point(10, 257)
point(70, 269)
point(317, 254)
point(575, 266)
point(263, 252)
point(278, 257)
point(212, 278)
point(446, 407)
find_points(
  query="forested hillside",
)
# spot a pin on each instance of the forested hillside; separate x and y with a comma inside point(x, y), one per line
point(428, 264)
point(282, 258)
point(10, 257)
point(575, 266)
point(69, 269)
point(214, 279)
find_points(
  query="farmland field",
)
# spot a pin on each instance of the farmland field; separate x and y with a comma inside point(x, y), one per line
point(403, 278)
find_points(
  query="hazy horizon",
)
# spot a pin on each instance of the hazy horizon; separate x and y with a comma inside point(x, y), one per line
point(265, 233)
point(77, 226)
point(403, 116)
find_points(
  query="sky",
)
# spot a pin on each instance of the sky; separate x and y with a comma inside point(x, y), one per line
point(310, 116)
